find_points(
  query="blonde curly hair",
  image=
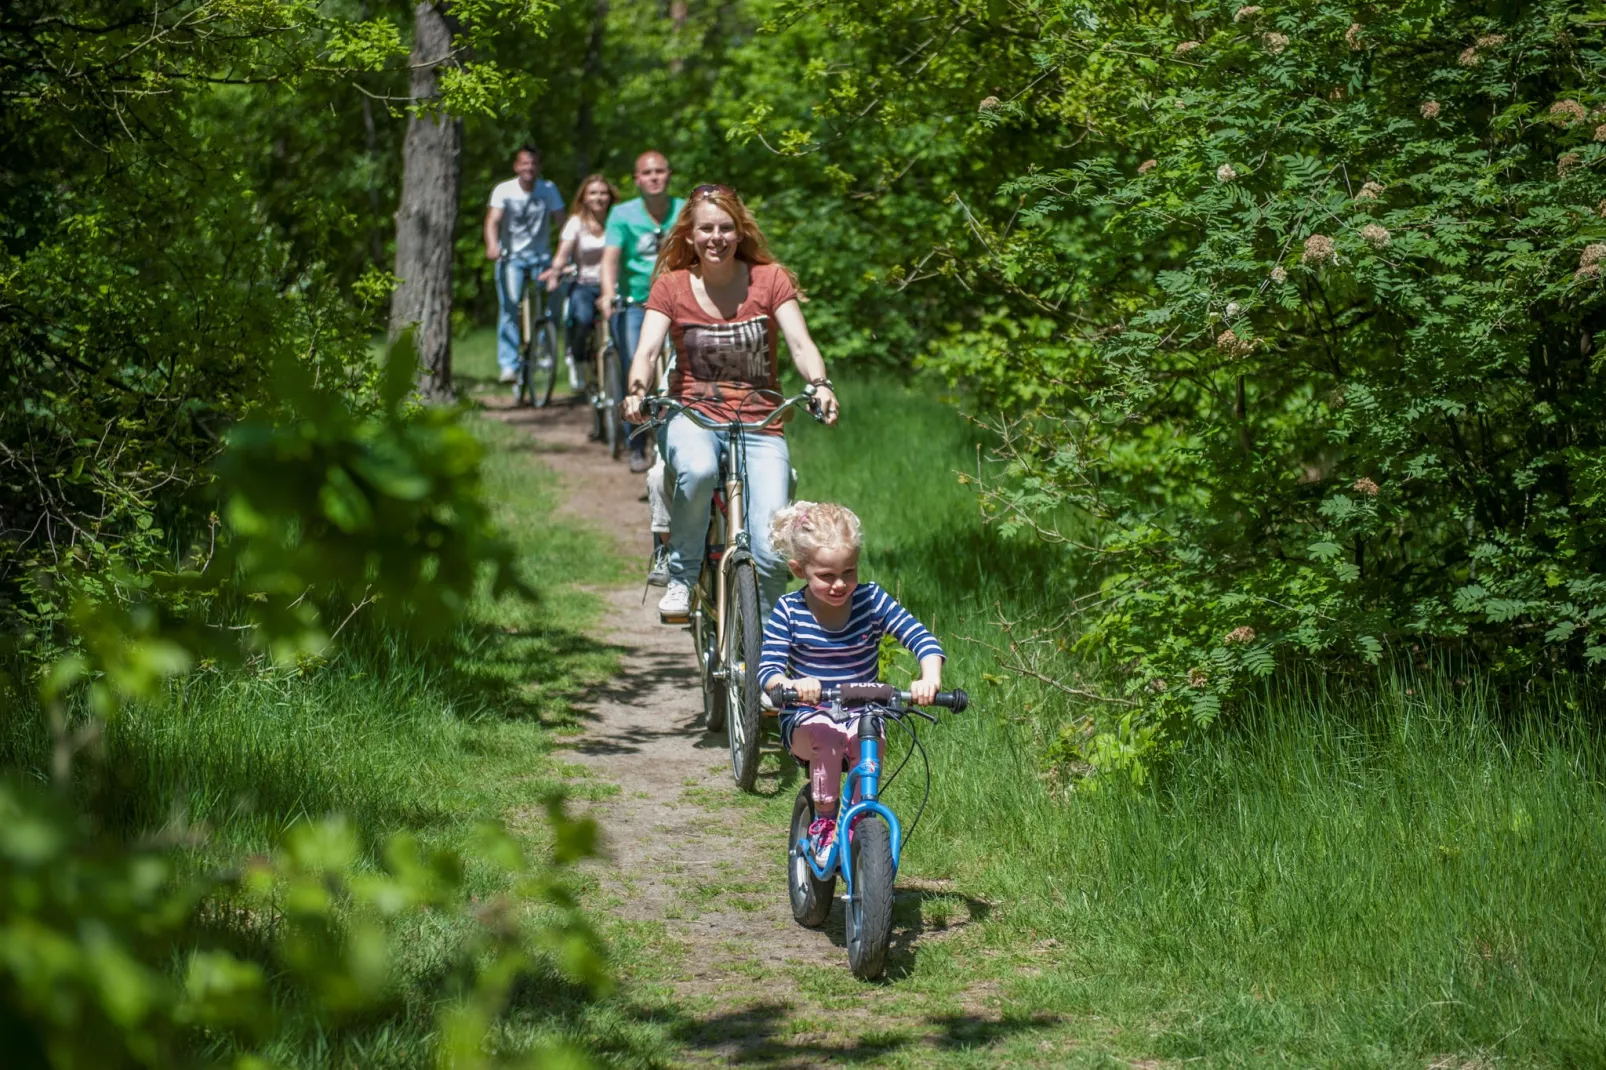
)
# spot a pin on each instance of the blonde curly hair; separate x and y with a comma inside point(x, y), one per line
point(802, 529)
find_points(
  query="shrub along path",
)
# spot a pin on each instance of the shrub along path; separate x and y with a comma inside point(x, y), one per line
point(693, 889)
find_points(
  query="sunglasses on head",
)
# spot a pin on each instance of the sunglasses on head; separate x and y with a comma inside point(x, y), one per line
point(710, 188)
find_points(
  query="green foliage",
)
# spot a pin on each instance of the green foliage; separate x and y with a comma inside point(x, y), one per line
point(91, 931)
point(1297, 308)
point(1392, 871)
point(325, 500)
point(178, 220)
point(331, 498)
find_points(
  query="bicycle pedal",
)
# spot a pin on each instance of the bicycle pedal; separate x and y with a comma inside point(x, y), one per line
point(679, 618)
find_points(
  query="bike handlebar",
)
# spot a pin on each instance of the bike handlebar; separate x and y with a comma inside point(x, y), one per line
point(865, 694)
point(654, 405)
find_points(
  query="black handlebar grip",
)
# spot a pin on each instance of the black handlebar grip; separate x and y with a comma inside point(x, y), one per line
point(787, 696)
point(955, 700)
point(859, 694)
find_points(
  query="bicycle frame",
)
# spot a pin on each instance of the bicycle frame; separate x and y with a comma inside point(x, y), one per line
point(734, 461)
point(863, 785)
point(531, 313)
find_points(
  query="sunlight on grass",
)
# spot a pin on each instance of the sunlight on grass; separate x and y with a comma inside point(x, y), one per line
point(1351, 873)
point(434, 740)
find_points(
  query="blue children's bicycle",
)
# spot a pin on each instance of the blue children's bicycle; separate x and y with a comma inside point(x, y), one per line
point(869, 839)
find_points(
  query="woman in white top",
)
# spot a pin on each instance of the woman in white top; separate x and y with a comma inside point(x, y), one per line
point(582, 242)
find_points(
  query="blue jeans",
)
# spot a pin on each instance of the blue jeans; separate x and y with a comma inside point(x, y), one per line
point(626, 333)
point(692, 454)
point(582, 316)
point(513, 273)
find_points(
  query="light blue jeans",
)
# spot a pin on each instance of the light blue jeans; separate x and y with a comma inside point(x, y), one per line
point(626, 329)
point(513, 273)
point(692, 454)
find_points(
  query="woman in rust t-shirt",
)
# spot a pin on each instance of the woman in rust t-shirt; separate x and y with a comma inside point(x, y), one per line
point(725, 302)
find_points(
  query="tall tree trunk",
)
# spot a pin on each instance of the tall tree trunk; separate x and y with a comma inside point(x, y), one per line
point(426, 220)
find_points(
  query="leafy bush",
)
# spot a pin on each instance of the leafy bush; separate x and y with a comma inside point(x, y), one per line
point(1297, 305)
point(90, 932)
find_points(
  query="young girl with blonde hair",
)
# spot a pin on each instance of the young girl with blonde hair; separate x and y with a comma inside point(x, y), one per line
point(829, 634)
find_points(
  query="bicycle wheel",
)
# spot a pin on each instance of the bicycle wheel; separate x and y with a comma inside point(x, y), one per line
point(541, 363)
point(598, 399)
point(744, 639)
point(869, 914)
point(811, 897)
point(706, 638)
point(612, 419)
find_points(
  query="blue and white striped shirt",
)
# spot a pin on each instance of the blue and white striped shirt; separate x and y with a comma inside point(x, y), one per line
point(796, 646)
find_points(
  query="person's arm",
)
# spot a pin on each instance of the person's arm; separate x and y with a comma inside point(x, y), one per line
point(772, 662)
point(551, 275)
point(493, 224)
point(903, 626)
point(556, 209)
point(806, 355)
point(654, 329)
point(610, 279)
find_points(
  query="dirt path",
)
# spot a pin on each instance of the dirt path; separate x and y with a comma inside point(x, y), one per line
point(701, 868)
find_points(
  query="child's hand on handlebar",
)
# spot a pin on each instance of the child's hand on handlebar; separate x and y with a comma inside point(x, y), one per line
point(924, 691)
point(630, 407)
point(808, 690)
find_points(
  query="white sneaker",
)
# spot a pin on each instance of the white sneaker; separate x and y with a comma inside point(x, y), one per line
point(676, 602)
point(508, 376)
point(658, 574)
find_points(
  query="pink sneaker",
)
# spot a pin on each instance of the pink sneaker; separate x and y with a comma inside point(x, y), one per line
point(821, 835)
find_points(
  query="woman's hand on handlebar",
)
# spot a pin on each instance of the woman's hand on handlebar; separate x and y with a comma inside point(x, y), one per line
point(631, 407)
point(825, 399)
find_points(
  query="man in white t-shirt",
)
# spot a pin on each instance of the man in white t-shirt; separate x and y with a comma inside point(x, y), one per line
point(523, 212)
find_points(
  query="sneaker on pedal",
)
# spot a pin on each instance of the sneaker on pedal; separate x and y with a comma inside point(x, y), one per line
point(675, 606)
point(507, 375)
point(822, 834)
point(658, 573)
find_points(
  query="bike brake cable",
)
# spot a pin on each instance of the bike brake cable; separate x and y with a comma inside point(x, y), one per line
point(906, 753)
point(925, 760)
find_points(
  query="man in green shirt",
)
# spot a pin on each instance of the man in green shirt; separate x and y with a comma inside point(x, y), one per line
point(631, 239)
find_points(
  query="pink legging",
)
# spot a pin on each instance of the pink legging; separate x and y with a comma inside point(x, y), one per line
point(822, 743)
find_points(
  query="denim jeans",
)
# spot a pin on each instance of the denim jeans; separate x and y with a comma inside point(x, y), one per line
point(692, 454)
point(626, 333)
point(582, 316)
point(513, 273)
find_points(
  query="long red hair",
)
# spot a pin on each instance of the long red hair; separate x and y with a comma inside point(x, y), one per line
point(677, 251)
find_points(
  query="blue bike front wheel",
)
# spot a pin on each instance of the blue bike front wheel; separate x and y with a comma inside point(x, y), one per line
point(869, 914)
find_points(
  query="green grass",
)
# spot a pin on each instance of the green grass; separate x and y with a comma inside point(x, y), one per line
point(387, 733)
point(393, 736)
point(1384, 875)
point(1371, 877)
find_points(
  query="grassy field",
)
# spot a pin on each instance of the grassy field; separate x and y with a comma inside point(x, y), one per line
point(1378, 876)
point(1406, 873)
point(394, 737)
